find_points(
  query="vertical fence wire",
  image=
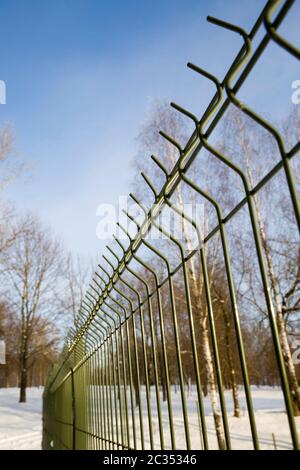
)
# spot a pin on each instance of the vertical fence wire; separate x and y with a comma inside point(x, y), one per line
point(122, 365)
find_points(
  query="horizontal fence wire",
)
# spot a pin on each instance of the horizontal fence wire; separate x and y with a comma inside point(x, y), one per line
point(128, 378)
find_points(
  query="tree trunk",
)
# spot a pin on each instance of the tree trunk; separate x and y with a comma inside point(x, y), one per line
point(197, 289)
point(136, 388)
point(233, 384)
point(162, 376)
point(23, 379)
point(23, 374)
point(207, 359)
point(211, 385)
point(286, 351)
point(290, 367)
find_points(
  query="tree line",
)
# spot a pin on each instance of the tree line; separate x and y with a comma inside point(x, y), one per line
point(41, 286)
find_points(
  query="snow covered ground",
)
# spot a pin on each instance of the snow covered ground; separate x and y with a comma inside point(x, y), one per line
point(271, 420)
point(20, 423)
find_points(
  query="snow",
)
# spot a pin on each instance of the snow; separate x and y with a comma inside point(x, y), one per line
point(20, 423)
point(271, 420)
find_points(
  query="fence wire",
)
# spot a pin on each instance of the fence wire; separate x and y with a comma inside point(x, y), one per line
point(126, 379)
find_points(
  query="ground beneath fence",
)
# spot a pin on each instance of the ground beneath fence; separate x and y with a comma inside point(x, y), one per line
point(271, 419)
point(20, 423)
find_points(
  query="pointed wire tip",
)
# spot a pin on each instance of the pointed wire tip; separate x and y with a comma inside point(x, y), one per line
point(228, 26)
point(176, 106)
point(180, 109)
point(144, 177)
point(212, 19)
point(133, 197)
point(192, 66)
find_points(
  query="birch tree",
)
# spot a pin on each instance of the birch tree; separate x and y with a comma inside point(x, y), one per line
point(163, 118)
point(255, 151)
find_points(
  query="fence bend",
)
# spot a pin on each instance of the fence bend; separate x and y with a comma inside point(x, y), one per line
point(144, 365)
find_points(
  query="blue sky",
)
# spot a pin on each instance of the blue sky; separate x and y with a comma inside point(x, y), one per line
point(80, 75)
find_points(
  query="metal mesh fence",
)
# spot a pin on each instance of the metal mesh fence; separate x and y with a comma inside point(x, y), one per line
point(134, 373)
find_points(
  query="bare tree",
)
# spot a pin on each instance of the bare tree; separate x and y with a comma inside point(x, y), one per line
point(77, 275)
point(9, 169)
point(255, 151)
point(168, 120)
point(11, 165)
point(32, 267)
